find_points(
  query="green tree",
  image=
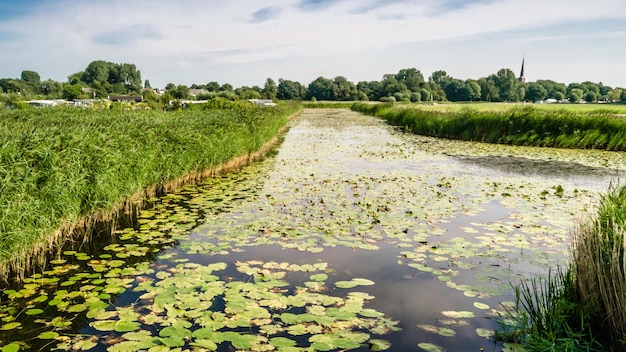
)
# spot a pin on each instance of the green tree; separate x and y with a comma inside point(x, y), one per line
point(180, 92)
point(342, 89)
point(535, 92)
point(226, 87)
point(575, 95)
point(290, 90)
point(412, 78)
point(31, 77)
point(590, 97)
point(146, 84)
point(52, 89)
point(320, 89)
point(213, 86)
point(270, 89)
point(507, 84)
point(455, 90)
point(72, 91)
point(488, 89)
point(473, 89)
point(425, 94)
point(614, 95)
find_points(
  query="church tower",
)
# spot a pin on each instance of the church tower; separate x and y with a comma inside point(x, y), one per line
point(521, 78)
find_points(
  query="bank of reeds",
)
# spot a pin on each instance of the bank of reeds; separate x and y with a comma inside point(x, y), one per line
point(583, 307)
point(518, 126)
point(63, 167)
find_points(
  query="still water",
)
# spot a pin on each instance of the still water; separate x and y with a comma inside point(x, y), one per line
point(350, 236)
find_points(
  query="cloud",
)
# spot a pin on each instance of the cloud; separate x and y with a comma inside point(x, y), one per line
point(265, 14)
point(127, 35)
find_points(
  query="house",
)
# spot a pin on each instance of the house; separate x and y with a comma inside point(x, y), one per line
point(126, 98)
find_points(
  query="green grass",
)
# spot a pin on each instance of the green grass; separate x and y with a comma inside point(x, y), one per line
point(58, 166)
point(615, 108)
point(520, 125)
point(582, 307)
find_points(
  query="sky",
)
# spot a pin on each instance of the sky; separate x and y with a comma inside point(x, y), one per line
point(245, 42)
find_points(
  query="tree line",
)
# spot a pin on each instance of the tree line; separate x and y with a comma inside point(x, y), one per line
point(101, 79)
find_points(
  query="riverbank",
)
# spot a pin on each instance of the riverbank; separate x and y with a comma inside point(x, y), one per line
point(66, 169)
point(526, 126)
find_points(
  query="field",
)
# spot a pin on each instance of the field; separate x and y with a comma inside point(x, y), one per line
point(483, 106)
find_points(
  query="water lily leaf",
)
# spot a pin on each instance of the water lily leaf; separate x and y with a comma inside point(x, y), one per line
point(206, 344)
point(480, 305)
point(319, 277)
point(10, 326)
point(282, 342)
point(34, 311)
point(430, 347)
point(12, 347)
point(458, 314)
point(85, 344)
point(48, 335)
point(353, 283)
point(379, 345)
point(486, 333)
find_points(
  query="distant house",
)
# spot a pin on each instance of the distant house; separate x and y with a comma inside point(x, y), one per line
point(126, 98)
point(42, 103)
point(262, 102)
point(195, 92)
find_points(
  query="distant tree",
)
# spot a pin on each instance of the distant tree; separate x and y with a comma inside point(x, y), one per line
point(553, 88)
point(146, 84)
point(412, 78)
point(473, 89)
point(31, 77)
point(488, 89)
point(623, 97)
point(290, 90)
point(372, 89)
point(180, 92)
point(226, 87)
point(75, 78)
point(9, 85)
point(439, 77)
point(506, 82)
point(425, 94)
point(416, 97)
point(270, 89)
point(320, 89)
point(535, 92)
point(614, 95)
point(52, 89)
point(72, 91)
point(455, 90)
point(170, 86)
point(99, 71)
point(575, 95)
point(247, 93)
point(590, 97)
point(558, 96)
point(213, 86)
point(342, 89)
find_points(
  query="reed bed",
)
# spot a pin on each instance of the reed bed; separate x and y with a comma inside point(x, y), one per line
point(582, 307)
point(524, 125)
point(61, 168)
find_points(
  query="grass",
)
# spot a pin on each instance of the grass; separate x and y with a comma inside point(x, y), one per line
point(614, 108)
point(580, 308)
point(525, 125)
point(60, 166)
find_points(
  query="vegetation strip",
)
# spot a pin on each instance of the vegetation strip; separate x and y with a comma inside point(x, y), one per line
point(63, 168)
point(517, 126)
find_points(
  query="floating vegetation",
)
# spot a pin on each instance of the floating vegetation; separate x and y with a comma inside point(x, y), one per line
point(351, 232)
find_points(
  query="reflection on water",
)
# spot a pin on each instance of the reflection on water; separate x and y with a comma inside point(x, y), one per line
point(440, 227)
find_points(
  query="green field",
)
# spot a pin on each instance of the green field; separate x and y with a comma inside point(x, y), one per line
point(615, 108)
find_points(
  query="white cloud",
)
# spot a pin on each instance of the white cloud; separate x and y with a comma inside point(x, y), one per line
point(243, 42)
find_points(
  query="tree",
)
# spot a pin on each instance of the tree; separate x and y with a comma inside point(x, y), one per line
point(320, 89)
point(72, 91)
point(270, 89)
point(614, 95)
point(52, 89)
point(213, 86)
point(506, 82)
point(488, 89)
point(226, 87)
point(290, 90)
point(591, 97)
point(456, 91)
point(146, 84)
point(412, 78)
point(31, 77)
point(535, 92)
point(473, 89)
point(180, 92)
point(170, 86)
point(425, 94)
point(342, 89)
point(575, 95)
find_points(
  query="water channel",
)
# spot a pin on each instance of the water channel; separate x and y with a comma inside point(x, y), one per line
point(351, 236)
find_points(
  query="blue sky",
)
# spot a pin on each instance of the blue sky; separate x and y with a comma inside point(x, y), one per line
point(244, 42)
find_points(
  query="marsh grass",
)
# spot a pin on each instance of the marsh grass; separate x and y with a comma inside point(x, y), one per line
point(523, 125)
point(64, 169)
point(581, 308)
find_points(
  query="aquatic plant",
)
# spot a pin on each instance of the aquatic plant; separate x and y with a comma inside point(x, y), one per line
point(518, 125)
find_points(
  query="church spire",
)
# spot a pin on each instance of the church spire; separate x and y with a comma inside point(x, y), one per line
point(521, 78)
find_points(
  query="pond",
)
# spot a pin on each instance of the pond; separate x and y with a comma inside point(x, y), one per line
point(351, 236)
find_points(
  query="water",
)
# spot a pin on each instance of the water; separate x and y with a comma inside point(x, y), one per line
point(429, 228)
